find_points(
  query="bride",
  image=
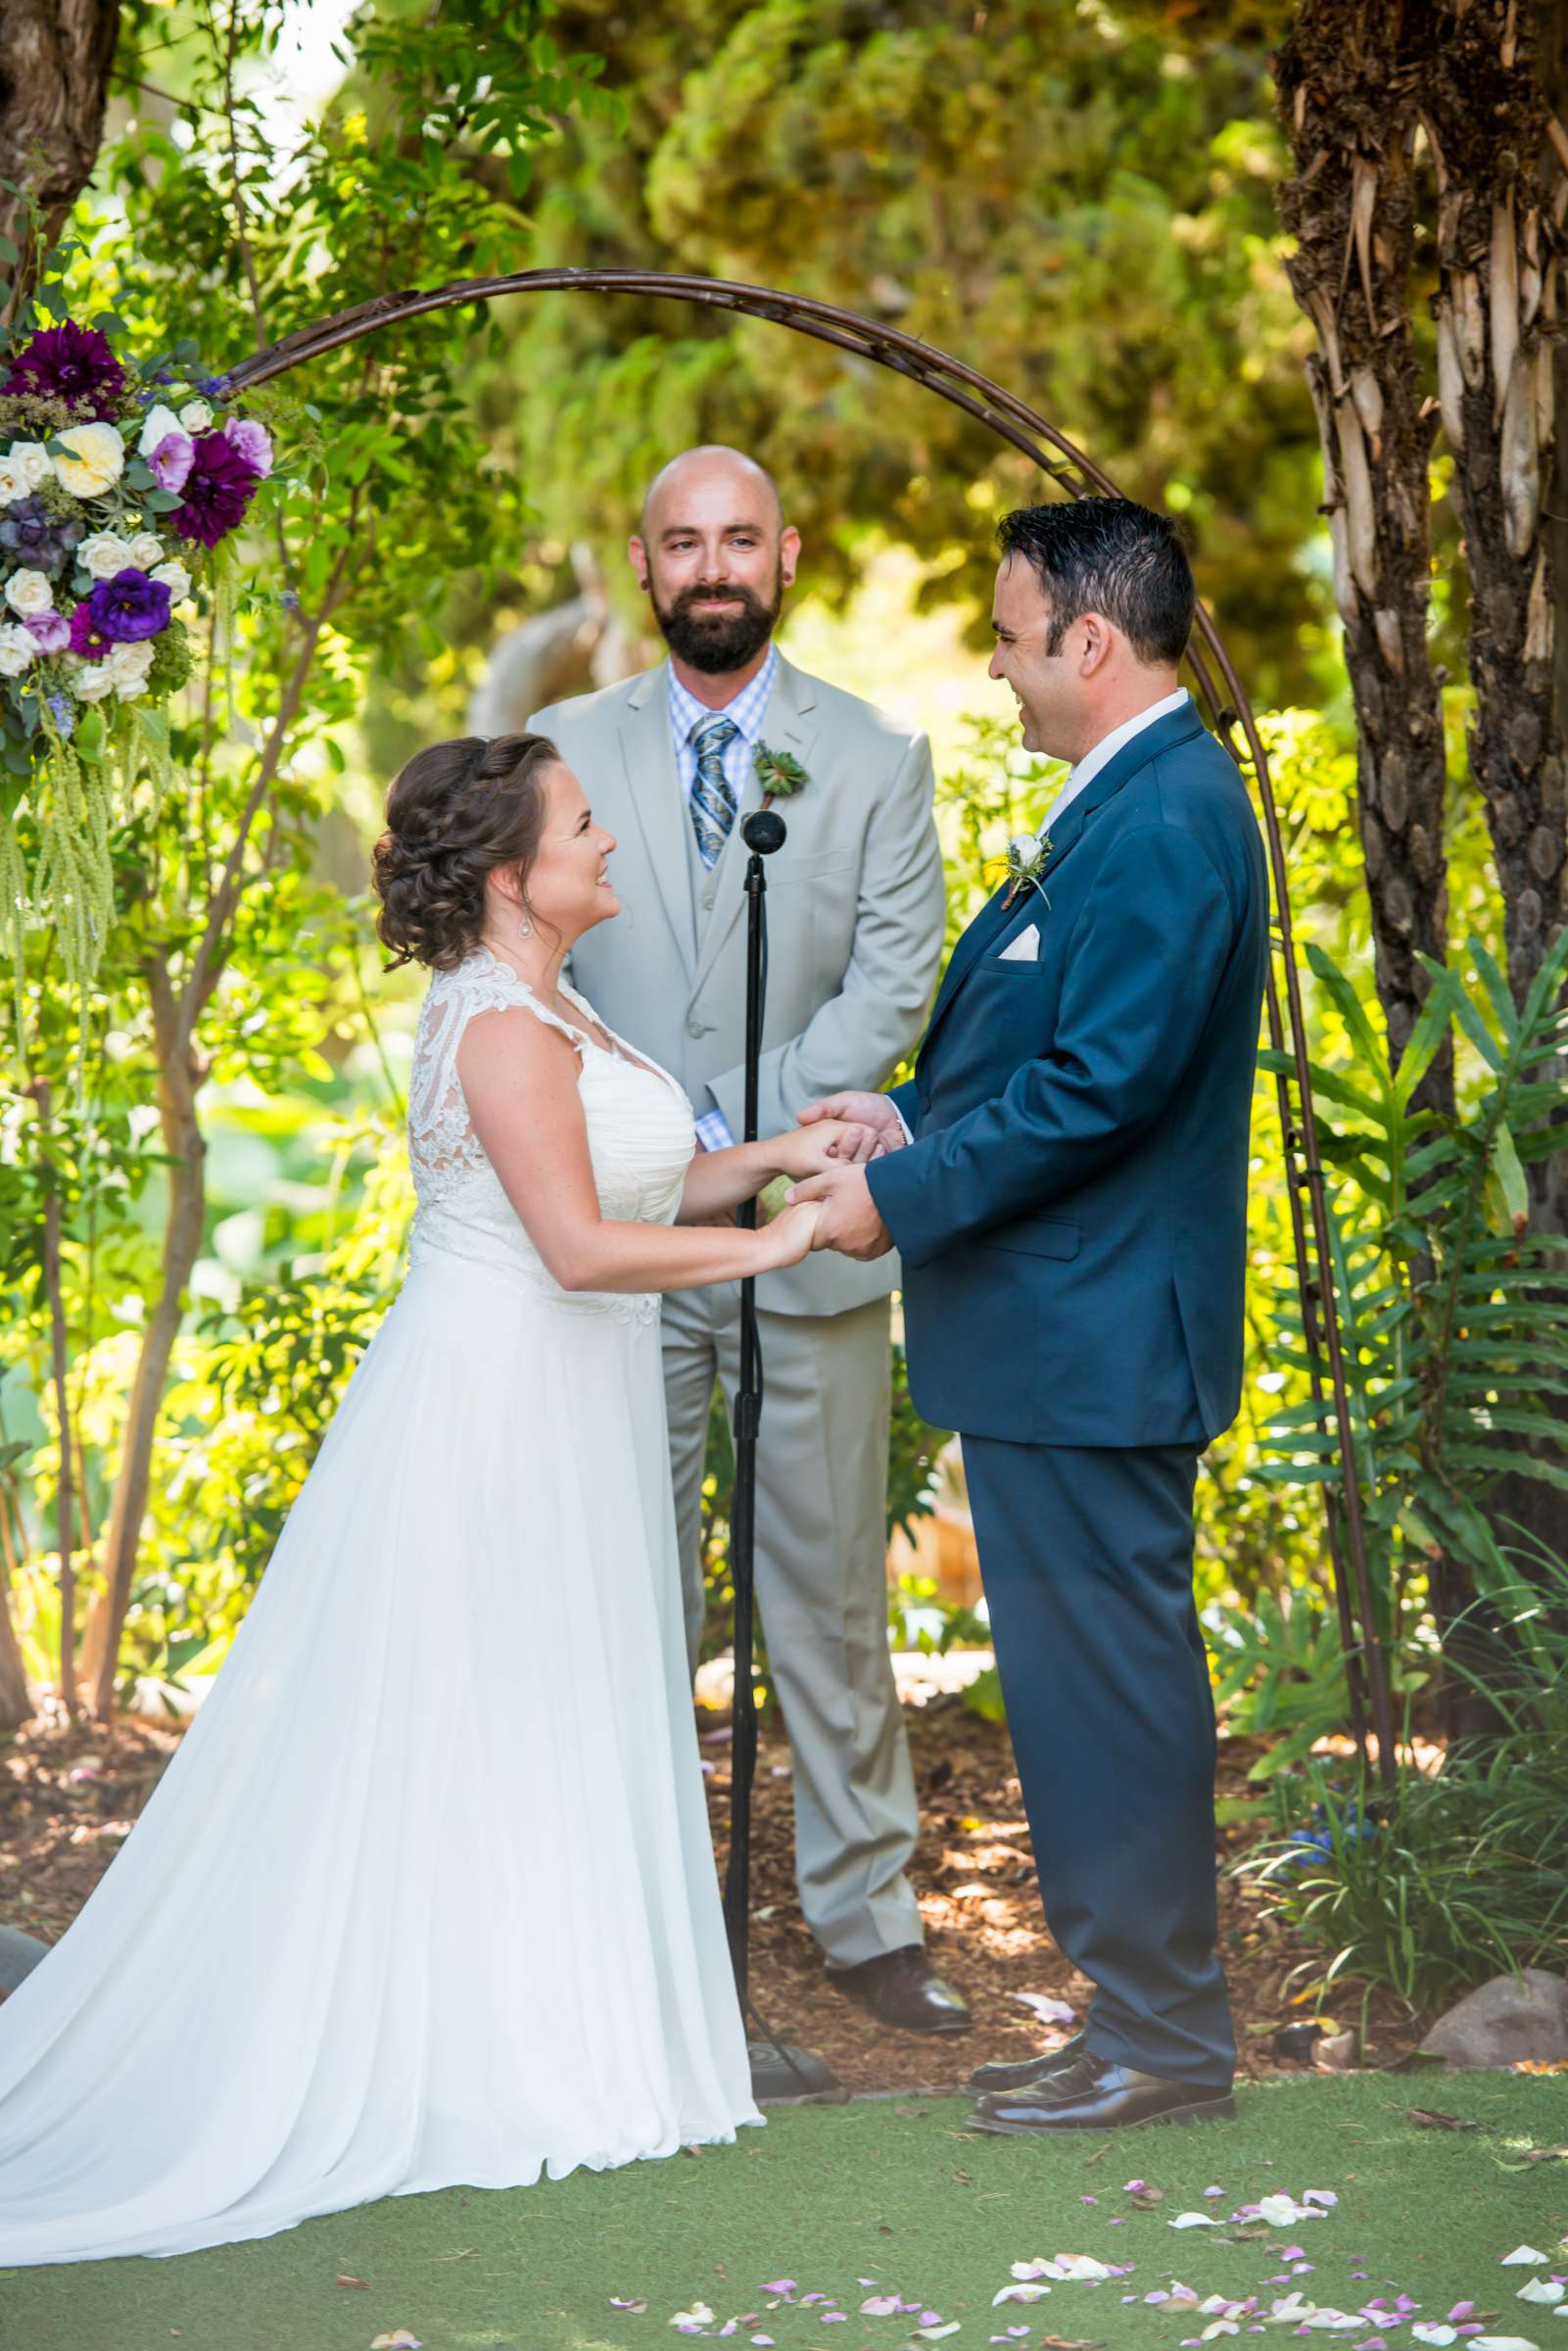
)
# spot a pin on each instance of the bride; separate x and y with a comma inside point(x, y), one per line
point(426, 1895)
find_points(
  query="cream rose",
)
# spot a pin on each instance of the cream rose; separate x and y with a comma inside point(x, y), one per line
point(105, 554)
point(23, 466)
point(18, 646)
point(90, 461)
point(91, 680)
point(30, 592)
point(196, 416)
point(161, 422)
point(128, 666)
point(146, 550)
point(175, 578)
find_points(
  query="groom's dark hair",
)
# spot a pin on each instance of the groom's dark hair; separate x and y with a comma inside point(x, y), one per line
point(1107, 555)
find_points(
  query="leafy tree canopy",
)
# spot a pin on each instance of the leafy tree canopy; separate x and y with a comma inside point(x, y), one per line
point(1070, 198)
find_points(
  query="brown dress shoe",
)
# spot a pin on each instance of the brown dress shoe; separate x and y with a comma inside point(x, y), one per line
point(988, 2080)
point(1093, 2094)
point(902, 1989)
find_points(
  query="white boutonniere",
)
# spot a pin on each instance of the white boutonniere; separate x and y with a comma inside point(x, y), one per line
point(1026, 855)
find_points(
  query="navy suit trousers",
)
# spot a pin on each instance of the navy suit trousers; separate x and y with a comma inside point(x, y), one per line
point(1086, 1556)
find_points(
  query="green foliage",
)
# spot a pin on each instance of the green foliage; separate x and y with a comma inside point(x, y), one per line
point(1459, 1874)
point(1066, 197)
point(1458, 1878)
point(1455, 1336)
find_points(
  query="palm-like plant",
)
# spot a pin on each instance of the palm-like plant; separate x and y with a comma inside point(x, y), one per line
point(1454, 1315)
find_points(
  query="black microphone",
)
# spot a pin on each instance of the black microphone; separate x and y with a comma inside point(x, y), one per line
point(763, 832)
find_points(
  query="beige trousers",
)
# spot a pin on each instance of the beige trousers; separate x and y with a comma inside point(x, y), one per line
point(821, 1595)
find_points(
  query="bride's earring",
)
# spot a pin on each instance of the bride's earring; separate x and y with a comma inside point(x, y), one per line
point(525, 928)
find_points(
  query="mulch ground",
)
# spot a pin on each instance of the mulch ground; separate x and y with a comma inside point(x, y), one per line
point(67, 1799)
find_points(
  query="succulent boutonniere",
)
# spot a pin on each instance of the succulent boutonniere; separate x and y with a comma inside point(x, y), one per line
point(780, 773)
point(1027, 854)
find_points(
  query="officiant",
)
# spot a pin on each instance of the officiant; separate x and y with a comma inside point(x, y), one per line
point(670, 760)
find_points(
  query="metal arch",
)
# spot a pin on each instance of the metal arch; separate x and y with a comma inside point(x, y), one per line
point(1077, 476)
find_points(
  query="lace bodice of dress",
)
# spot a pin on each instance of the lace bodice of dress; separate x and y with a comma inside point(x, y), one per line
point(639, 1132)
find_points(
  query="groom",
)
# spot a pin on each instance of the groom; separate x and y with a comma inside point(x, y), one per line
point(1065, 1179)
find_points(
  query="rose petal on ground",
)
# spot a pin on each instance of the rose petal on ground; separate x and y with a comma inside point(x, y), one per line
point(1020, 2294)
point(1192, 2220)
point(1523, 2257)
point(1433, 2331)
point(1049, 2011)
point(878, 2306)
point(1540, 2289)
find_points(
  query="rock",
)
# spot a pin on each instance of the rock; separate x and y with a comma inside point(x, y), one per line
point(1501, 2022)
point(19, 1954)
point(1336, 2053)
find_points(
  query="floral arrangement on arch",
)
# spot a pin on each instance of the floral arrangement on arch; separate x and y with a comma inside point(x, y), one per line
point(119, 485)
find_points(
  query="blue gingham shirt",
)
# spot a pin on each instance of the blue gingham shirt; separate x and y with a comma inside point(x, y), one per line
point(745, 714)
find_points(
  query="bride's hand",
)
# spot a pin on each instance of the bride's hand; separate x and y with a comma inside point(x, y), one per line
point(790, 1237)
point(828, 1143)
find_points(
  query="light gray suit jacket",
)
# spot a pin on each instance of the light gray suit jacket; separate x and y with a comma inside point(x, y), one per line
point(855, 913)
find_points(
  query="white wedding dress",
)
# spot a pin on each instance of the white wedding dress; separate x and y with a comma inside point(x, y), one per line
point(426, 1895)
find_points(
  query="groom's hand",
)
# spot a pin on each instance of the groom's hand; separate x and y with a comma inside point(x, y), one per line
point(874, 1114)
point(849, 1222)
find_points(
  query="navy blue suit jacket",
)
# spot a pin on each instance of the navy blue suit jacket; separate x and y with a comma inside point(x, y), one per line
point(1072, 1212)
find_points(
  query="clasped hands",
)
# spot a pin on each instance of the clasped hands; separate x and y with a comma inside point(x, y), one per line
point(849, 1220)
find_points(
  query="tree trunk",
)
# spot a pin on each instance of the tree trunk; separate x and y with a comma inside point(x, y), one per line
point(55, 63)
point(1501, 155)
point(180, 1083)
point(15, 1699)
point(1347, 94)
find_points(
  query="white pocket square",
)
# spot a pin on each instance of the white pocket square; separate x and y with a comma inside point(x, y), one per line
point(1026, 948)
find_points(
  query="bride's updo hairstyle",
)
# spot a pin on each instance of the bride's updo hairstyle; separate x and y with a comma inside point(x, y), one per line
point(454, 814)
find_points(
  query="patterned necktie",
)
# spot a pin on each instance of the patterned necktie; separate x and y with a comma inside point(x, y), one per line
point(713, 804)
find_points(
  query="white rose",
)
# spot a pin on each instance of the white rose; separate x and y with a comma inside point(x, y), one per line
point(196, 416)
point(91, 680)
point(91, 460)
point(30, 592)
point(1024, 847)
point(105, 554)
point(161, 422)
point(128, 666)
point(146, 550)
point(18, 646)
point(23, 466)
point(175, 578)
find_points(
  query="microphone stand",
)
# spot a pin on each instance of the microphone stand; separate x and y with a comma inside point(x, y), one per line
point(778, 2071)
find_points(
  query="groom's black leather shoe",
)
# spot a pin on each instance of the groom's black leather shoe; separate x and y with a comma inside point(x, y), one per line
point(989, 2081)
point(1093, 2094)
point(904, 1989)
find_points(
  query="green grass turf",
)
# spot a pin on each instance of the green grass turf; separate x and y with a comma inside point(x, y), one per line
point(896, 2191)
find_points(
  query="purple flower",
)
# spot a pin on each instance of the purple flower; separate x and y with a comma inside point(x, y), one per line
point(253, 442)
point(69, 363)
point(39, 539)
point(51, 628)
point(60, 710)
point(218, 490)
point(129, 606)
point(171, 461)
point(86, 636)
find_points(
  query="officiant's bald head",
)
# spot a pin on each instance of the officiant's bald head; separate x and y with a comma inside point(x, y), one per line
point(714, 555)
point(698, 474)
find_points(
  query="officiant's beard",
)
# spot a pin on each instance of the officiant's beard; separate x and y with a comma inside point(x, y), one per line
point(716, 642)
